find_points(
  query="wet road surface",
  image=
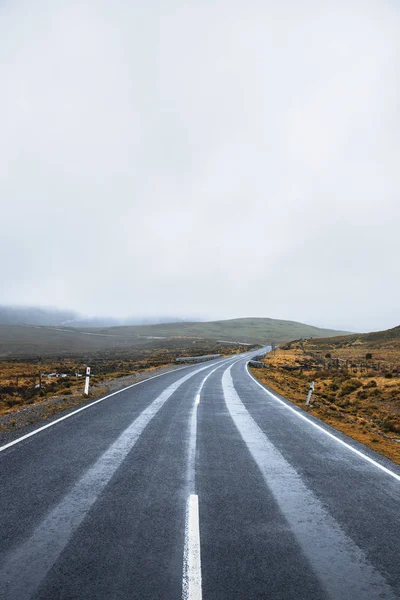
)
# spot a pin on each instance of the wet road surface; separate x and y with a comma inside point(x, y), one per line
point(199, 483)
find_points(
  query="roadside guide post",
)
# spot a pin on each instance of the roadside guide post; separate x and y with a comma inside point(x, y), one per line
point(87, 381)
point(310, 391)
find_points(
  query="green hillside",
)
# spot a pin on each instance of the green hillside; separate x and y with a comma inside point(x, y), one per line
point(35, 341)
point(250, 330)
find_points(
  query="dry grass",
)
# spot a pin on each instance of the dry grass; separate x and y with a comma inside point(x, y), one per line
point(36, 381)
point(356, 395)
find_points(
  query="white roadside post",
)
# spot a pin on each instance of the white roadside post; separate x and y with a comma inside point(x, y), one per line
point(310, 391)
point(87, 381)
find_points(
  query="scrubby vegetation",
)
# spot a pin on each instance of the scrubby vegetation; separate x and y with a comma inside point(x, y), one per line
point(31, 381)
point(357, 384)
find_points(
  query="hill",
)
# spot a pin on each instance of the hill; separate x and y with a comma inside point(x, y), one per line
point(31, 341)
point(389, 337)
point(250, 330)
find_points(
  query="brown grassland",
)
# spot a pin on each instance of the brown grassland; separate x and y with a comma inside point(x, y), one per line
point(357, 384)
point(55, 384)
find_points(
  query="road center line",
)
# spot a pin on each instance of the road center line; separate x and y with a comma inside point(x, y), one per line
point(191, 470)
point(39, 552)
point(338, 562)
point(191, 578)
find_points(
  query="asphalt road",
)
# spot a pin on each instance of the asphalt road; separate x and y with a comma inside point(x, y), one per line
point(196, 484)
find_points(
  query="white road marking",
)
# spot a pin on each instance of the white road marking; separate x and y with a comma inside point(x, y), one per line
point(191, 470)
point(42, 549)
point(191, 588)
point(191, 579)
point(338, 562)
point(209, 375)
point(328, 433)
point(71, 414)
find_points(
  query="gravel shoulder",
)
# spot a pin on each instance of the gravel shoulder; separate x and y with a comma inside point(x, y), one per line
point(25, 419)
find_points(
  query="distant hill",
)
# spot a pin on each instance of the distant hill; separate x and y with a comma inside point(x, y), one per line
point(388, 337)
point(251, 330)
point(33, 341)
point(40, 341)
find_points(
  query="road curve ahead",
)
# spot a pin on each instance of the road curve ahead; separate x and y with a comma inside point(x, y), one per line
point(197, 484)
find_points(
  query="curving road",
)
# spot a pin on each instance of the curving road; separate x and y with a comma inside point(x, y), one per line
point(198, 483)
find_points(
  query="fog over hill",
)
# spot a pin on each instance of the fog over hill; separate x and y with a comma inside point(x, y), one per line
point(119, 322)
point(33, 315)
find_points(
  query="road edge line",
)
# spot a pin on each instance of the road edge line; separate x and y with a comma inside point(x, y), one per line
point(78, 410)
point(320, 428)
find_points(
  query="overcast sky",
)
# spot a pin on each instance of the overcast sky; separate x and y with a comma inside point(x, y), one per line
point(209, 158)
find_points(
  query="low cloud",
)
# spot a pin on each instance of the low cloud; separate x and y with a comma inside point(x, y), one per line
point(216, 159)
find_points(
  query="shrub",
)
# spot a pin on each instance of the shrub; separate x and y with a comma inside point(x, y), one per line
point(371, 384)
point(343, 402)
point(322, 374)
point(12, 402)
point(368, 356)
point(391, 424)
point(349, 386)
point(375, 392)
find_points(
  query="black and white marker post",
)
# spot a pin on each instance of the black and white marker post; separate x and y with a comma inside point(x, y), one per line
point(310, 391)
point(87, 381)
